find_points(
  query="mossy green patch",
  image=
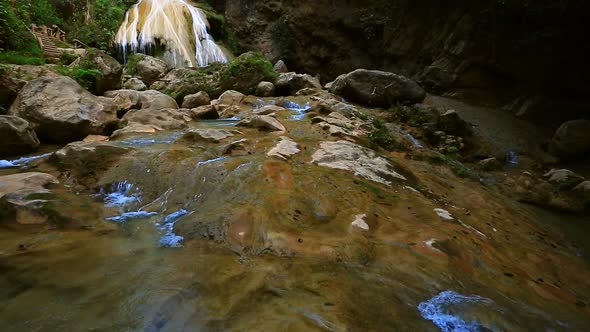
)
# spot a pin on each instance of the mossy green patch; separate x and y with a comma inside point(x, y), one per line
point(131, 65)
point(380, 136)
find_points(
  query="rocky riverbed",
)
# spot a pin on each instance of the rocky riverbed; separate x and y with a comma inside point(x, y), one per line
point(296, 212)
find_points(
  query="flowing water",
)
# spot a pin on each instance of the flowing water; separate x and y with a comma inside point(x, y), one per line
point(189, 238)
point(176, 24)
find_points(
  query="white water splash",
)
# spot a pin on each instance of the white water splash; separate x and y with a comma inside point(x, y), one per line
point(177, 24)
point(170, 239)
point(21, 161)
point(444, 309)
point(132, 215)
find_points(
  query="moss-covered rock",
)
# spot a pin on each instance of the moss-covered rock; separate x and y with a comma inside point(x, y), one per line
point(241, 74)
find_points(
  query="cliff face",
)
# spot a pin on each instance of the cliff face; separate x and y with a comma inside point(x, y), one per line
point(531, 55)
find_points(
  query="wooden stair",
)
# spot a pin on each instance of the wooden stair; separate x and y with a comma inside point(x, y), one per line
point(50, 51)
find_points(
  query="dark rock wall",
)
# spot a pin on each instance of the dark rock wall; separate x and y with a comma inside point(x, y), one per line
point(492, 51)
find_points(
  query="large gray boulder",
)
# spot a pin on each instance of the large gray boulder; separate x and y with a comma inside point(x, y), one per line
point(150, 69)
point(141, 100)
point(289, 83)
point(61, 111)
point(377, 88)
point(572, 139)
point(265, 89)
point(200, 98)
point(16, 136)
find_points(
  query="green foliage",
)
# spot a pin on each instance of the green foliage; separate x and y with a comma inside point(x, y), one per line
point(85, 72)
point(131, 65)
point(43, 13)
point(18, 58)
point(99, 30)
point(246, 71)
point(67, 58)
point(457, 167)
point(374, 189)
point(380, 136)
point(410, 115)
point(14, 23)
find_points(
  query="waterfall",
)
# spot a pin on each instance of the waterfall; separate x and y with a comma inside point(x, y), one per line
point(177, 24)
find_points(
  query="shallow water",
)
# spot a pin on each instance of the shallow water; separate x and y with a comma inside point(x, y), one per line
point(188, 239)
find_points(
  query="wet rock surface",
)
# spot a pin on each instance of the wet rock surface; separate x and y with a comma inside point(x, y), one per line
point(325, 234)
point(19, 197)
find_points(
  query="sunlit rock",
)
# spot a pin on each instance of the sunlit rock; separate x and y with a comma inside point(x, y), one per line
point(356, 159)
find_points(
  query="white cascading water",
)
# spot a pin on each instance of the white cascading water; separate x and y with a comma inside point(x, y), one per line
point(175, 23)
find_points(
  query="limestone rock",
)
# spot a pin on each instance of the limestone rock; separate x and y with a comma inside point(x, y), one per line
point(167, 118)
point(262, 122)
point(327, 106)
point(289, 83)
point(134, 128)
point(150, 100)
point(200, 98)
point(207, 112)
point(83, 162)
point(206, 135)
point(268, 109)
point(95, 138)
point(61, 111)
point(150, 69)
point(20, 197)
point(231, 98)
point(356, 159)
point(285, 149)
point(281, 67)
point(16, 136)
point(377, 88)
point(135, 84)
point(265, 89)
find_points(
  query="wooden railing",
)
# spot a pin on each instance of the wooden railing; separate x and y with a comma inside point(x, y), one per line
point(52, 32)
